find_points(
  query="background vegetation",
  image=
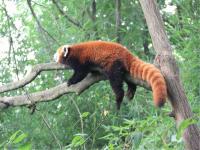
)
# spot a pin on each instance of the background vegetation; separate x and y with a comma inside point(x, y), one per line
point(30, 33)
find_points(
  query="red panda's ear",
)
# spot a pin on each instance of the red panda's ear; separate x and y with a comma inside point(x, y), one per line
point(66, 50)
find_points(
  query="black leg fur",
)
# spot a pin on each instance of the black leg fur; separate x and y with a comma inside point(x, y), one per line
point(117, 86)
point(115, 76)
point(79, 74)
point(80, 71)
point(131, 90)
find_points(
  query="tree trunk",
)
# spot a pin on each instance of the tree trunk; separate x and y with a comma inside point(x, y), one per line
point(145, 39)
point(118, 19)
point(94, 12)
point(169, 68)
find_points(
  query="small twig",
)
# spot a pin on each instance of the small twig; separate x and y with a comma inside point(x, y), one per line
point(76, 23)
point(9, 31)
point(11, 48)
point(51, 131)
point(40, 4)
point(81, 118)
point(38, 22)
point(95, 129)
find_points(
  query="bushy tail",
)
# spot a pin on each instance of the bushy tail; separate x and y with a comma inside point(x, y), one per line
point(153, 76)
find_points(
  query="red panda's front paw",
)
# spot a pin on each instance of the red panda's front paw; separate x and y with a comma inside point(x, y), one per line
point(69, 83)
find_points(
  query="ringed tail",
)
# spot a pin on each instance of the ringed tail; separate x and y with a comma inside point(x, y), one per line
point(153, 76)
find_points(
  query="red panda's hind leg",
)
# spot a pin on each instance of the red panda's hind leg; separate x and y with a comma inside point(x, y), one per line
point(115, 76)
point(131, 90)
point(117, 87)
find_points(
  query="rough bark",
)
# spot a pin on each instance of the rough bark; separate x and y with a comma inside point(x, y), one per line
point(145, 39)
point(169, 68)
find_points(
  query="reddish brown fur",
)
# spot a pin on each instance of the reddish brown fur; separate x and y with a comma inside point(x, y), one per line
point(105, 53)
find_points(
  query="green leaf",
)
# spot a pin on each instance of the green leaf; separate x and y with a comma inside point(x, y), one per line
point(78, 141)
point(20, 138)
point(26, 146)
point(184, 124)
point(108, 136)
point(85, 114)
point(116, 128)
point(111, 146)
point(14, 135)
point(2, 144)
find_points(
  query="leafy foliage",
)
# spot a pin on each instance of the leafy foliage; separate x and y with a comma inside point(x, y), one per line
point(58, 124)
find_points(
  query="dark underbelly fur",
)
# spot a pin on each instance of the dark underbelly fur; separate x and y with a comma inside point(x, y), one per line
point(115, 76)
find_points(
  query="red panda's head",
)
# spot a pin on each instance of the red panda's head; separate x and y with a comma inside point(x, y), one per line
point(61, 54)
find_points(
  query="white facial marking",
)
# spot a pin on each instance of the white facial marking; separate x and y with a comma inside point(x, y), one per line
point(65, 50)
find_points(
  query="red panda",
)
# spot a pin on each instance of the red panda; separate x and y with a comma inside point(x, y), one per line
point(115, 61)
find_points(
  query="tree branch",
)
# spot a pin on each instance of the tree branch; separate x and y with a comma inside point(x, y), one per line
point(38, 22)
point(55, 92)
point(50, 94)
point(31, 76)
point(76, 23)
point(9, 31)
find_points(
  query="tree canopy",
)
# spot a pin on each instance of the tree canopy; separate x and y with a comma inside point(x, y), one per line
point(30, 33)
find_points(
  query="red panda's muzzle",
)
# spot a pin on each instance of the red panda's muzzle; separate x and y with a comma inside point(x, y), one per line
point(55, 57)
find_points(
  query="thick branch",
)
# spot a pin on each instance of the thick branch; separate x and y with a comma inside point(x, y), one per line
point(50, 94)
point(31, 76)
point(35, 71)
point(54, 92)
